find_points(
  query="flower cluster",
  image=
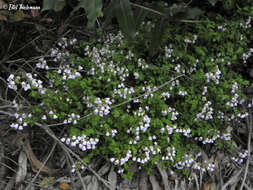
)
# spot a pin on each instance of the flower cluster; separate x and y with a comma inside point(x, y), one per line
point(21, 123)
point(213, 76)
point(84, 143)
point(245, 56)
point(206, 166)
point(206, 113)
point(187, 162)
point(148, 91)
point(165, 95)
point(247, 24)
point(171, 153)
point(175, 129)
point(234, 101)
point(64, 43)
point(168, 51)
point(172, 112)
point(112, 133)
point(112, 38)
point(241, 157)
point(123, 160)
point(182, 93)
point(222, 27)
point(193, 67)
point(122, 93)
point(11, 82)
point(102, 107)
point(72, 118)
point(51, 114)
point(34, 82)
point(178, 69)
point(60, 55)
point(145, 154)
point(193, 41)
point(243, 115)
point(174, 84)
point(77, 167)
point(224, 136)
point(204, 91)
point(42, 64)
point(142, 64)
point(27, 82)
point(69, 73)
point(144, 124)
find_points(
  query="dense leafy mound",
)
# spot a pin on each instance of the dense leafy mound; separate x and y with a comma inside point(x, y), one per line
point(120, 105)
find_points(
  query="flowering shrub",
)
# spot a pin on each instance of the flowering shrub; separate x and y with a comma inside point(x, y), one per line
point(129, 110)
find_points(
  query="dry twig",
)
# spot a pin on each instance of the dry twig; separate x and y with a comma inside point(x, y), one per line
point(43, 165)
point(69, 151)
point(232, 180)
point(249, 124)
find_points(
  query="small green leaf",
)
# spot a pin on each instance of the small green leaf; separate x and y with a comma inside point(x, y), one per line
point(212, 2)
point(200, 51)
point(116, 113)
point(18, 16)
point(56, 5)
point(193, 13)
point(33, 94)
point(74, 131)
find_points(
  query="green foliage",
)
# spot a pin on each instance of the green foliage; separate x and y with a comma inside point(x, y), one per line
point(134, 109)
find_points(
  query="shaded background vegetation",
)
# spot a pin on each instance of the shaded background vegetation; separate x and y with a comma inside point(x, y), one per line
point(37, 30)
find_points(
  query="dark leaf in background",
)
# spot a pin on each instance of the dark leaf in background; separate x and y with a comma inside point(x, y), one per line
point(56, 5)
point(125, 18)
point(157, 35)
point(93, 9)
point(109, 14)
point(193, 13)
point(212, 2)
point(140, 15)
point(121, 9)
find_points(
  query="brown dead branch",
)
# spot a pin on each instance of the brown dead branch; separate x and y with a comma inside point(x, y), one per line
point(249, 124)
point(232, 180)
point(69, 151)
point(143, 184)
point(35, 163)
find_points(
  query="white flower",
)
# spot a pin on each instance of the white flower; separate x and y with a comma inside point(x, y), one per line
point(20, 128)
point(136, 75)
point(112, 159)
